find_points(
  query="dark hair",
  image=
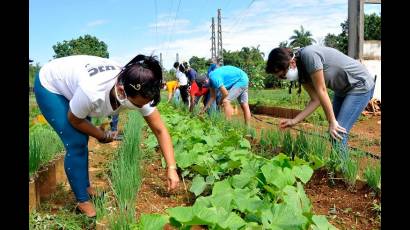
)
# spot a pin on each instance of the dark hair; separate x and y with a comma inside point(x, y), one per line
point(176, 64)
point(185, 64)
point(181, 68)
point(278, 60)
point(142, 76)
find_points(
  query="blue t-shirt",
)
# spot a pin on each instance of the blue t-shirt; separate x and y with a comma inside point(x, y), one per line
point(191, 74)
point(228, 76)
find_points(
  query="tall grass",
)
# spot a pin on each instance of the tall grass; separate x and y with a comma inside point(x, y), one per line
point(44, 144)
point(372, 174)
point(125, 170)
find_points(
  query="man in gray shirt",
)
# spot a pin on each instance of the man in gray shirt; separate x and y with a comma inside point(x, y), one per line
point(318, 68)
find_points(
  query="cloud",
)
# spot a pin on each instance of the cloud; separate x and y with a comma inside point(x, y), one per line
point(96, 23)
point(264, 23)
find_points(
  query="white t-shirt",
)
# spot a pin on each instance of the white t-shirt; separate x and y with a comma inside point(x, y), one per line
point(86, 82)
point(182, 79)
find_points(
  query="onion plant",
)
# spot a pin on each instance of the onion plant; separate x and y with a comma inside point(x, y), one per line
point(125, 170)
point(372, 174)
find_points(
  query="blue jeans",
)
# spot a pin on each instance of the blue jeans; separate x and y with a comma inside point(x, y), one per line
point(54, 107)
point(114, 122)
point(347, 110)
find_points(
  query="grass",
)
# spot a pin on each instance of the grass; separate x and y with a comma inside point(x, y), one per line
point(372, 174)
point(351, 171)
point(125, 171)
point(44, 144)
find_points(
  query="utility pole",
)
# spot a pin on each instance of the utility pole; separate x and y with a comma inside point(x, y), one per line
point(213, 47)
point(160, 60)
point(220, 53)
point(177, 58)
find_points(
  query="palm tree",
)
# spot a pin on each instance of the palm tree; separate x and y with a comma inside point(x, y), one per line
point(301, 38)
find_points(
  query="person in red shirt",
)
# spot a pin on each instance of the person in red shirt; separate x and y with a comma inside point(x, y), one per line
point(197, 92)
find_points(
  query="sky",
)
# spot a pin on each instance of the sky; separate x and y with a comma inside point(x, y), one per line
point(132, 27)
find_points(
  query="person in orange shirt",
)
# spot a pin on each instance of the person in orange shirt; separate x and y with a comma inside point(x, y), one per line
point(171, 87)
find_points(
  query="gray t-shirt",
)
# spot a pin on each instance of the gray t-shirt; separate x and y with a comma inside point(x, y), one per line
point(343, 74)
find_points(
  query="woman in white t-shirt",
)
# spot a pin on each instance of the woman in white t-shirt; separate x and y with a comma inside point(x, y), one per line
point(72, 89)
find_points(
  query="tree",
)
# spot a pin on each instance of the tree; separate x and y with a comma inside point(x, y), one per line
point(199, 64)
point(372, 27)
point(32, 71)
point(88, 45)
point(301, 38)
point(251, 61)
point(284, 44)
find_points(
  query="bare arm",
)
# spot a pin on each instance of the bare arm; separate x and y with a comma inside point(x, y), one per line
point(224, 93)
point(164, 139)
point(311, 106)
point(85, 126)
point(318, 81)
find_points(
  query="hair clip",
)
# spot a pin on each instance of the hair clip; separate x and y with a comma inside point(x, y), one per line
point(136, 87)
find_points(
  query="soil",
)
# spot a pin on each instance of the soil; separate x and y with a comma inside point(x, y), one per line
point(153, 196)
point(345, 208)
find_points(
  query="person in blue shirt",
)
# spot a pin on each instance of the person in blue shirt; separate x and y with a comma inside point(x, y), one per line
point(232, 83)
point(190, 72)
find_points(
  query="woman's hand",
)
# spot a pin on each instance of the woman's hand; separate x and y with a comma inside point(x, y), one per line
point(334, 129)
point(285, 123)
point(172, 178)
point(108, 137)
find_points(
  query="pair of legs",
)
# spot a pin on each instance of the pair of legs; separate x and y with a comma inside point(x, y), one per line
point(241, 94)
point(54, 107)
point(184, 94)
point(347, 110)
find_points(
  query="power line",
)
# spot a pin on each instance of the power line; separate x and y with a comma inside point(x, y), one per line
point(172, 28)
point(156, 23)
point(239, 18)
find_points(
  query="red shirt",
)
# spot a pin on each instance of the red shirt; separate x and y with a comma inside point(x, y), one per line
point(195, 90)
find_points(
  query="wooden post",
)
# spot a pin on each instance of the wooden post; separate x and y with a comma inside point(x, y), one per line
point(356, 28)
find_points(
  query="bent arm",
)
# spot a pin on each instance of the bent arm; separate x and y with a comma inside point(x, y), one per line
point(85, 126)
point(311, 106)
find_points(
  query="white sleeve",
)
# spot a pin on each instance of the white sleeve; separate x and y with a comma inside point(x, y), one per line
point(80, 105)
point(146, 110)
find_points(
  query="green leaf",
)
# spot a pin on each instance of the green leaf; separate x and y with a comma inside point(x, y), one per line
point(284, 217)
point(304, 173)
point(239, 181)
point(211, 140)
point(210, 180)
point(244, 143)
point(153, 221)
point(200, 169)
point(221, 187)
point(321, 223)
point(278, 177)
point(222, 201)
point(239, 154)
point(198, 185)
point(185, 159)
point(305, 202)
point(232, 222)
point(181, 214)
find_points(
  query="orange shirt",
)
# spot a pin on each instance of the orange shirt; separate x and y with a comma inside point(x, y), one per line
point(171, 86)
